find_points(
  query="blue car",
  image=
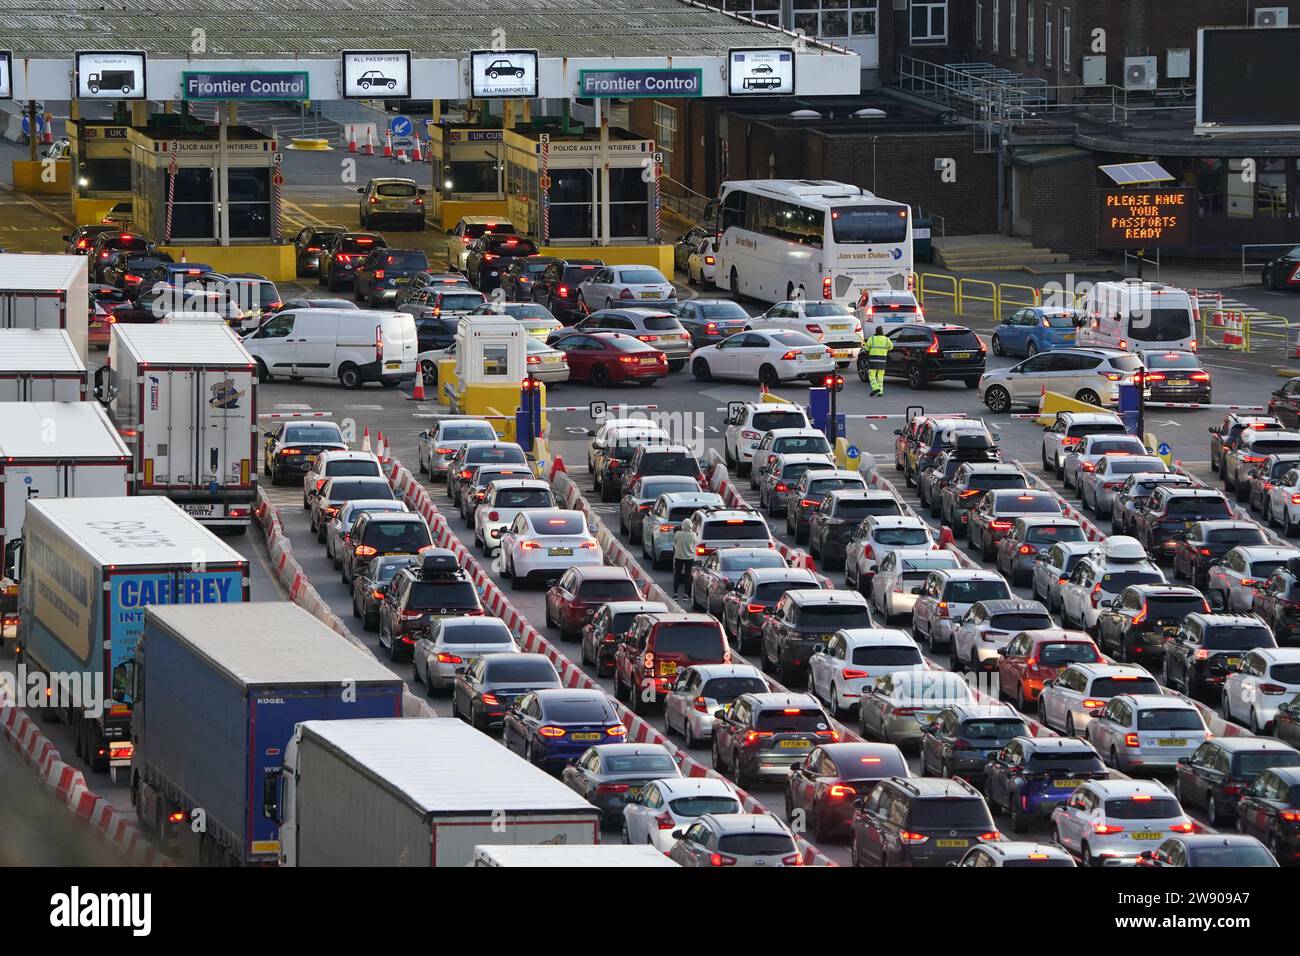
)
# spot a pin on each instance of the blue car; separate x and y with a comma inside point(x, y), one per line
point(1032, 776)
point(1035, 329)
point(552, 726)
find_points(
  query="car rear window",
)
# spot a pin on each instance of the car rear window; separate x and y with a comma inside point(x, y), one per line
point(756, 844)
point(1028, 504)
point(480, 631)
point(1053, 862)
point(506, 455)
point(1234, 536)
point(1253, 764)
point(1286, 673)
point(801, 445)
point(352, 466)
point(1064, 762)
point(670, 463)
point(1113, 686)
point(1155, 808)
point(682, 512)
point(1021, 621)
point(127, 244)
point(388, 570)
point(792, 338)
point(347, 489)
point(1051, 533)
point(640, 277)
point(560, 524)
point(1096, 428)
point(1233, 854)
point(440, 593)
point(579, 711)
point(608, 589)
point(990, 482)
point(949, 813)
point(940, 561)
point(1116, 581)
point(901, 537)
point(957, 340)
point(735, 529)
point(573, 274)
point(697, 643)
point(820, 486)
point(1126, 363)
point(1274, 446)
point(409, 259)
point(398, 536)
point(1058, 654)
point(1172, 360)
point(720, 309)
point(657, 764)
point(726, 689)
point(1204, 506)
point(830, 617)
point(313, 434)
point(397, 190)
point(512, 246)
point(661, 323)
point(854, 509)
point(467, 433)
point(527, 311)
point(461, 300)
point(1131, 466)
point(887, 656)
point(1173, 608)
point(803, 720)
point(1169, 718)
point(502, 670)
point(796, 470)
point(619, 623)
point(360, 243)
point(767, 421)
point(651, 490)
point(732, 561)
point(698, 806)
point(971, 592)
point(996, 728)
point(1237, 637)
point(525, 498)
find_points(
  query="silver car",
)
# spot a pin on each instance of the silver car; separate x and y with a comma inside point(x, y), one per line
point(1146, 733)
point(654, 327)
point(1109, 822)
point(1097, 487)
point(438, 445)
point(876, 537)
point(1242, 571)
point(666, 516)
point(626, 285)
point(453, 644)
point(902, 570)
point(946, 596)
point(787, 441)
point(736, 839)
point(1052, 569)
point(1085, 456)
point(1067, 703)
point(1091, 375)
point(898, 706)
point(988, 627)
point(781, 473)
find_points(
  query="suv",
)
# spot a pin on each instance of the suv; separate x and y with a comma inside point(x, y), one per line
point(919, 822)
point(385, 271)
point(401, 200)
point(518, 278)
point(1224, 437)
point(665, 517)
point(803, 620)
point(307, 246)
point(989, 626)
point(417, 595)
point(966, 489)
point(378, 533)
point(490, 255)
point(1083, 457)
point(1207, 542)
point(1032, 658)
point(781, 473)
point(907, 436)
point(812, 488)
point(1066, 704)
point(1136, 489)
point(932, 481)
point(1146, 733)
point(1114, 819)
point(1165, 518)
point(1137, 624)
point(832, 523)
point(735, 839)
point(557, 288)
point(1221, 770)
point(1274, 472)
point(505, 498)
point(746, 606)
point(960, 739)
point(657, 646)
point(469, 228)
point(746, 424)
point(473, 455)
point(874, 539)
point(761, 736)
point(608, 627)
point(612, 447)
point(573, 599)
point(947, 595)
point(1070, 428)
point(1208, 647)
point(993, 517)
point(343, 255)
point(719, 572)
point(1089, 375)
point(1019, 549)
point(855, 658)
point(966, 437)
point(1032, 776)
point(1252, 449)
point(931, 353)
point(1278, 602)
point(655, 327)
point(655, 460)
point(1112, 566)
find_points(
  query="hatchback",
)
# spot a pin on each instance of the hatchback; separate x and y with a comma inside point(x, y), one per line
point(826, 784)
point(1035, 329)
point(401, 200)
point(1031, 776)
point(1112, 821)
point(920, 822)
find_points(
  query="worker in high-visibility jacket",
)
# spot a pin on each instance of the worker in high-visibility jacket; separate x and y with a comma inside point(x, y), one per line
point(878, 347)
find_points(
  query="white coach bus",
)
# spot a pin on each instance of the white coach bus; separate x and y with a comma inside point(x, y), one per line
point(789, 238)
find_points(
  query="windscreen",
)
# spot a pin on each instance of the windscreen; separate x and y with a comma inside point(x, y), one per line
point(503, 670)
point(1067, 652)
point(560, 524)
point(860, 225)
point(440, 593)
point(766, 421)
point(726, 689)
point(801, 445)
point(1169, 718)
point(1106, 687)
point(1206, 506)
point(1156, 808)
point(1016, 621)
point(901, 537)
point(1161, 325)
point(698, 806)
point(1237, 637)
point(946, 813)
point(578, 712)
point(831, 617)
point(405, 536)
point(994, 728)
point(1052, 533)
point(1173, 608)
point(756, 844)
point(495, 455)
point(898, 655)
point(735, 529)
point(345, 489)
point(970, 592)
point(802, 720)
point(353, 467)
point(657, 764)
point(608, 589)
point(854, 509)
point(697, 643)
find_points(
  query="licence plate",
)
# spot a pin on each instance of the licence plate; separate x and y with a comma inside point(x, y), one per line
point(1068, 338)
point(795, 745)
point(843, 353)
point(839, 327)
point(203, 511)
point(1172, 742)
point(1066, 784)
point(667, 668)
point(402, 280)
point(650, 295)
point(1147, 836)
point(1179, 381)
point(392, 365)
point(650, 361)
point(1234, 661)
point(559, 552)
point(959, 355)
point(586, 736)
point(952, 843)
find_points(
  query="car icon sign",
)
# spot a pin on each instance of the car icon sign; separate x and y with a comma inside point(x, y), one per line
point(498, 68)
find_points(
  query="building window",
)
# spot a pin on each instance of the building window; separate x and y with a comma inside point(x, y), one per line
point(764, 11)
point(863, 17)
point(822, 18)
point(193, 206)
point(1210, 178)
point(1241, 194)
point(1011, 27)
point(1066, 55)
point(1029, 32)
point(979, 24)
point(997, 25)
point(1047, 36)
point(929, 21)
point(1270, 188)
point(629, 204)
point(572, 193)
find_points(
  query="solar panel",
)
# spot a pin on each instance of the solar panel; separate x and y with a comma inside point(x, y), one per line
point(1128, 174)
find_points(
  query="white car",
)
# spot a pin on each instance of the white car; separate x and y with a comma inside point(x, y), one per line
point(1282, 503)
point(540, 544)
point(1115, 820)
point(1063, 435)
point(854, 657)
point(898, 572)
point(506, 499)
point(1090, 375)
point(703, 688)
point(1066, 703)
point(769, 357)
point(1052, 569)
point(1137, 734)
point(453, 644)
point(675, 803)
point(702, 263)
point(1268, 678)
point(333, 463)
point(829, 323)
point(897, 706)
point(888, 307)
point(874, 538)
point(946, 596)
point(338, 527)
point(1100, 576)
point(747, 422)
point(612, 286)
point(1244, 569)
point(988, 627)
point(1084, 456)
point(1252, 449)
point(536, 318)
point(1097, 487)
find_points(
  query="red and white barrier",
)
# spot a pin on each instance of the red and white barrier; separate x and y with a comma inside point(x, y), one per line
point(1229, 408)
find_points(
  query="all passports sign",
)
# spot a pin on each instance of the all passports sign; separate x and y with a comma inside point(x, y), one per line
point(1144, 218)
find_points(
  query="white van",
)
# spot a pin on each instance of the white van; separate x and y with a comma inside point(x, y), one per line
point(1133, 315)
point(354, 346)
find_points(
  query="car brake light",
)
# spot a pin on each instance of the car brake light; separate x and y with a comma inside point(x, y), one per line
point(611, 788)
point(943, 608)
point(379, 343)
point(933, 349)
point(529, 545)
point(913, 839)
point(991, 836)
point(374, 201)
point(412, 615)
point(1290, 816)
point(1105, 829)
point(377, 595)
point(549, 731)
point(1095, 596)
point(839, 791)
point(1027, 549)
point(1000, 525)
point(1200, 376)
point(666, 527)
point(1091, 704)
point(702, 705)
point(445, 658)
point(971, 493)
point(491, 700)
point(826, 287)
point(1186, 827)
point(665, 821)
point(617, 730)
point(753, 735)
point(365, 551)
point(1153, 377)
point(719, 859)
point(755, 608)
point(851, 673)
point(1272, 689)
point(626, 294)
point(709, 260)
point(834, 735)
point(1131, 740)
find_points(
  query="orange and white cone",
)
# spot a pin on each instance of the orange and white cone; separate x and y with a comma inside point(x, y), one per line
point(417, 390)
point(352, 139)
point(388, 144)
point(365, 439)
point(416, 155)
point(401, 155)
point(370, 141)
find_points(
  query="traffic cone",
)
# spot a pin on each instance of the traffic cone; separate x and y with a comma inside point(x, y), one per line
point(370, 141)
point(352, 139)
point(47, 137)
point(379, 446)
point(183, 255)
point(416, 155)
point(556, 467)
point(401, 155)
point(417, 391)
point(946, 537)
point(365, 439)
point(388, 144)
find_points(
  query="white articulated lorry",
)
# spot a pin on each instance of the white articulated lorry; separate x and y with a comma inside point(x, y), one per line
point(184, 397)
point(548, 857)
point(46, 292)
point(415, 792)
point(40, 365)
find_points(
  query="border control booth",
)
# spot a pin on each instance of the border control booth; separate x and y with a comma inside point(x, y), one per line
point(468, 172)
point(100, 152)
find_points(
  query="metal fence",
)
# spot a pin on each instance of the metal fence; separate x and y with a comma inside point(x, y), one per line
point(682, 201)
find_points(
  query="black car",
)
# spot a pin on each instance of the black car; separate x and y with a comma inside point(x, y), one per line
point(128, 270)
point(522, 275)
point(961, 739)
point(1208, 541)
point(1174, 376)
point(923, 354)
point(1136, 625)
point(1219, 770)
point(485, 690)
point(557, 289)
point(80, 239)
point(105, 244)
point(1278, 602)
point(745, 606)
point(419, 593)
point(343, 255)
point(709, 321)
point(1162, 520)
point(1283, 272)
point(384, 272)
point(832, 523)
point(370, 584)
point(1285, 403)
point(490, 255)
point(1208, 850)
point(803, 620)
point(310, 243)
point(1269, 810)
point(291, 447)
point(1209, 647)
point(436, 332)
point(919, 822)
point(608, 626)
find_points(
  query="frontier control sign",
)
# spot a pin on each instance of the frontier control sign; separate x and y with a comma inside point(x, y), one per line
point(634, 83)
point(1144, 218)
point(245, 86)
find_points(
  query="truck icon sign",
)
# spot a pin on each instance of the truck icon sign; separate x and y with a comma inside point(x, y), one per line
point(123, 80)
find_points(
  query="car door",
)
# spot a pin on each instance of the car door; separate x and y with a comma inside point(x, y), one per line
point(819, 666)
point(273, 344)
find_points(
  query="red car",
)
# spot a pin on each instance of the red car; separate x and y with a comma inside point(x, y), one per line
point(657, 646)
point(832, 777)
point(609, 357)
point(1032, 657)
point(573, 599)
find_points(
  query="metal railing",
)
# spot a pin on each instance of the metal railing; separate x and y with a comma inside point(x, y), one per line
point(682, 201)
point(1253, 264)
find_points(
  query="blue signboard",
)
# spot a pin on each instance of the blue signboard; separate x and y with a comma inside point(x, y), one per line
point(626, 84)
point(244, 86)
point(401, 126)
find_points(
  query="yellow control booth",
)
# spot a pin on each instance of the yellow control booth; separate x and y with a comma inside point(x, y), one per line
point(485, 376)
point(468, 172)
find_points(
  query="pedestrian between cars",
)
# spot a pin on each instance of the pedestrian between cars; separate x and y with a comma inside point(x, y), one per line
point(878, 347)
point(683, 558)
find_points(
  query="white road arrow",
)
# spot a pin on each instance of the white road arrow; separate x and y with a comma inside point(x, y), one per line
point(1171, 422)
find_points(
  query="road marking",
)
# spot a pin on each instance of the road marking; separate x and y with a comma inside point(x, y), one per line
point(299, 211)
point(363, 408)
point(38, 206)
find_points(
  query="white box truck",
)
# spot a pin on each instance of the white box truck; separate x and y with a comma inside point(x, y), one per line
point(414, 792)
point(40, 365)
point(605, 855)
point(46, 292)
point(51, 450)
point(184, 397)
